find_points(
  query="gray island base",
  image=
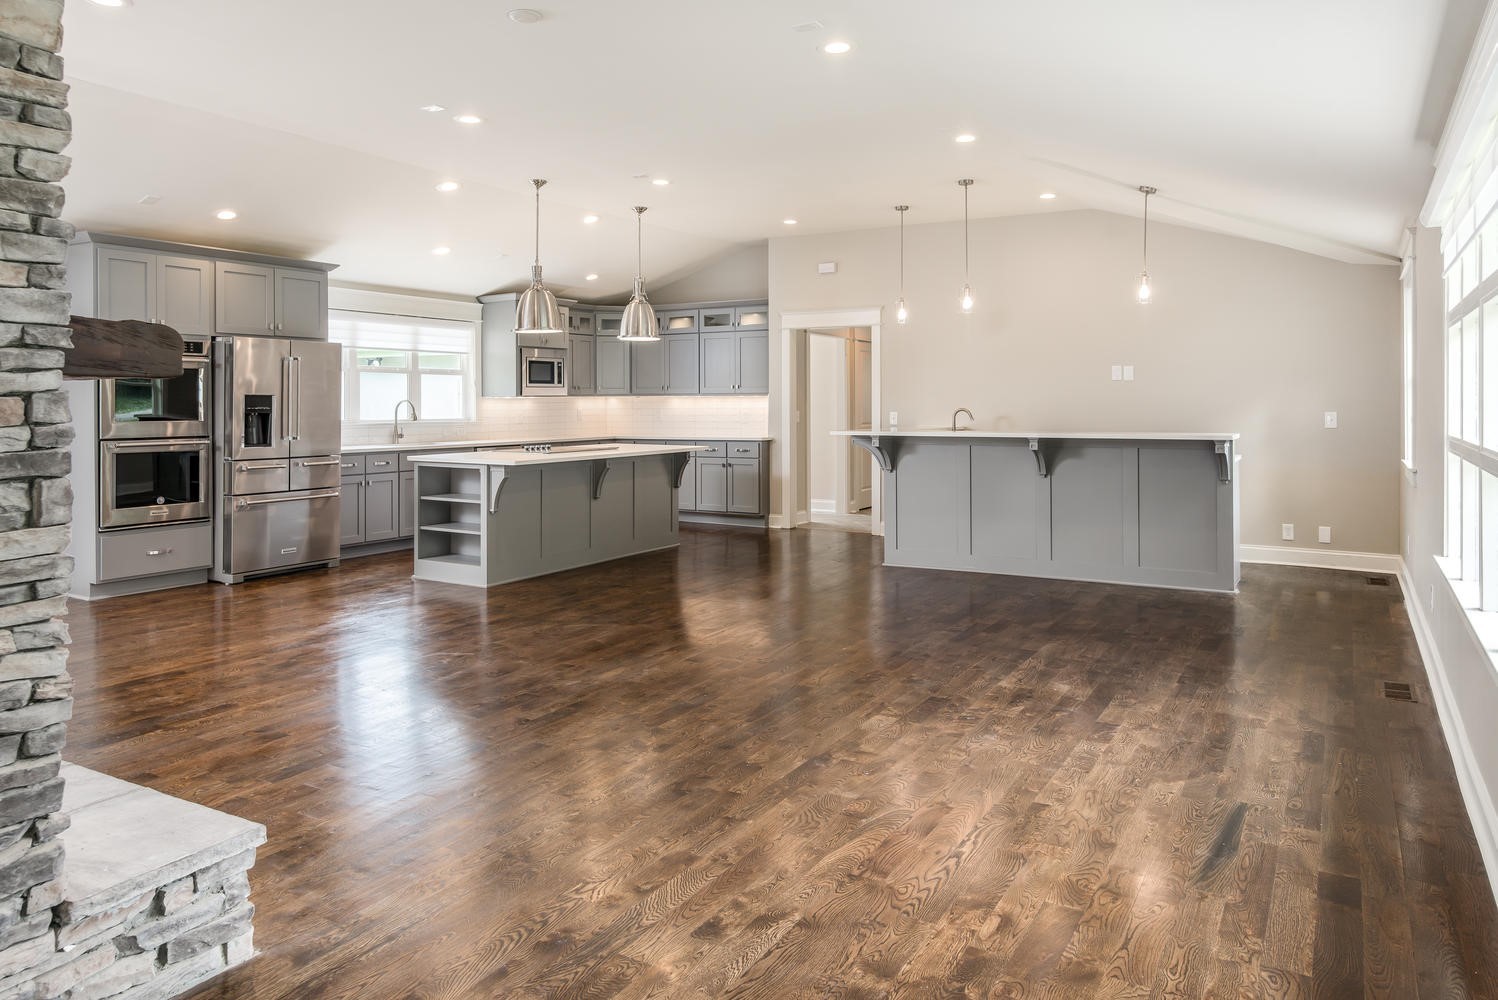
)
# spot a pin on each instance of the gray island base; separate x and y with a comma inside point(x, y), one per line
point(1147, 508)
point(491, 517)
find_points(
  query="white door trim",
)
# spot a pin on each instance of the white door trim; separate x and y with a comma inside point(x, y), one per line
point(788, 454)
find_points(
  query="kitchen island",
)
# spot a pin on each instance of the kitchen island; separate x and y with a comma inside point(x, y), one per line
point(1156, 509)
point(490, 517)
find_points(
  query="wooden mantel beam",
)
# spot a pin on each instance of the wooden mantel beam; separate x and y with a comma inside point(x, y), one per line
point(105, 348)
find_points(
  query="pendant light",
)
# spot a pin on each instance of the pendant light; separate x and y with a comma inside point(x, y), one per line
point(537, 311)
point(901, 313)
point(639, 321)
point(967, 287)
point(1145, 293)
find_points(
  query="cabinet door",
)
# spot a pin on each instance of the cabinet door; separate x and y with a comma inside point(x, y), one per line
point(715, 319)
point(184, 295)
point(612, 370)
point(580, 365)
point(580, 322)
point(647, 367)
point(753, 362)
point(743, 486)
point(686, 496)
point(127, 285)
point(683, 374)
point(351, 512)
point(677, 320)
point(408, 504)
point(712, 485)
point(718, 357)
point(606, 322)
point(302, 304)
point(751, 317)
point(381, 507)
point(244, 298)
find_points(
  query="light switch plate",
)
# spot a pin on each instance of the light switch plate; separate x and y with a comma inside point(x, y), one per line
point(894, 418)
point(1118, 373)
point(1324, 535)
point(827, 267)
point(1329, 420)
point(1128, 373)
point(1287, 532)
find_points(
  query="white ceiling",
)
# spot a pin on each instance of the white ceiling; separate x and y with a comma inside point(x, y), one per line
point(1306, 124)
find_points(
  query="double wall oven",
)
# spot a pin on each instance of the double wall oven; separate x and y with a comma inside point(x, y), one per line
point(154, 448)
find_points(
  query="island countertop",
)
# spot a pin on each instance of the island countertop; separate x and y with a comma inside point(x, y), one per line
point(517, 457)
point(1047, 435)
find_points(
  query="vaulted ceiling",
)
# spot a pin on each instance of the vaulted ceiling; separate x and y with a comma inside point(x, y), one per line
point(1307, 124)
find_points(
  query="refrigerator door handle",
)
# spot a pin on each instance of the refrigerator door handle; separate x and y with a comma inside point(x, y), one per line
point(297, 368)
point(286, 397)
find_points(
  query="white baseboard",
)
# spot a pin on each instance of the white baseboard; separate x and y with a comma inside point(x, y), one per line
point(1474, 793)
point(823, 507)
point(1362, 562)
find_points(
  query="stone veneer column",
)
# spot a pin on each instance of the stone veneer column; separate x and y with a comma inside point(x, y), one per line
point(35, 497)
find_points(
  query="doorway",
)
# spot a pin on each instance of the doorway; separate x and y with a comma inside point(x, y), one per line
point(839, 397)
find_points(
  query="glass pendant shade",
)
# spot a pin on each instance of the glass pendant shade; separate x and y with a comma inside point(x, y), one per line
point(1145, 293)
point(967, 287)
point(901, 313)
point(639, 321)
point(1144, 289)
point(537, 311)
point(967, 298)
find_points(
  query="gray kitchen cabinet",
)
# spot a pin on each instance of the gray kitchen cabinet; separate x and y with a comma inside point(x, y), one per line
point(611, 370)
point(350, 511)
point(716, 318)
point(184, 295)
point(127, 284)
point(712, 485)
point(743, 486)
point(665, 366)
point(244, 298)
point(752, 352)
point(683, 352)
point(647, 367)
point(301, 307)
point(580, 322)
point(677, 320)
point(407, 504)
point(581, 364)
point(606, 322)
point(751, 317)
point(719, 354)
point(381, 507)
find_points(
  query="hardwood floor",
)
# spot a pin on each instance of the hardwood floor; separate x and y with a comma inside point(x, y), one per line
point(764, 766)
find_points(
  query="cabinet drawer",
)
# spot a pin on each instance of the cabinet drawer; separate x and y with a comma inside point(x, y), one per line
point(151, 551)
point(381, 461)
point(715, 449)
point(350, 465)
point(743, 449)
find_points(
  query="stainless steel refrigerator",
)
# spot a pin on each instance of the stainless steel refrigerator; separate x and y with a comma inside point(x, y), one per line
point(277, 433)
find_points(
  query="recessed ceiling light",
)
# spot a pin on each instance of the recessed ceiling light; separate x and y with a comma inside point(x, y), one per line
point(1047, 195)
point(112, 3)
point(836, 48)
point(588, 220)
point(789, 222)
point(433, 108)
point(442, 251)
point(446, 187)
point(590, 277)
point(661, 182)
point(228, 214)
point(965, 137)
point(524, 15)
point(468, 119)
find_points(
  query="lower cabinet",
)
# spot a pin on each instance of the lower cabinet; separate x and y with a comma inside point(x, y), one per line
point(729, 479)
point(369, 509)
point(408, 504)
point(743, 486)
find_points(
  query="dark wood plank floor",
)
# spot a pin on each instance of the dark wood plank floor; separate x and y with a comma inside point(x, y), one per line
point(764, 766)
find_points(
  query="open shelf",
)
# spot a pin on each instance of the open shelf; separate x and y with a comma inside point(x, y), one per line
point(455, 497)
point(455, 559)
point(454, 527)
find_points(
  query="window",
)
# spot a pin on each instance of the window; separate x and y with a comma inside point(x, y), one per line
point(387, 359)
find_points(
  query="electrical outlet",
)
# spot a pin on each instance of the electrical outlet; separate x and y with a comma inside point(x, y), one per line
point(1118, 373)
point(894, 418)
point(1324, 535)
point(1287, 532)
point(1329, 420)
point(1128, 373)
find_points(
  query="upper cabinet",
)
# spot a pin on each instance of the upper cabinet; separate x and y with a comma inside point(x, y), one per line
point(735, 362)
point(197, 291)
point(175, 291)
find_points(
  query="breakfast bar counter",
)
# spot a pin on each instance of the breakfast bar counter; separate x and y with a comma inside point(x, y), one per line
point(1150, 508)
point(490, 517)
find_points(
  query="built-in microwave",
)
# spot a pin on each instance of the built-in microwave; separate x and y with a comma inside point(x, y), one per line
point(152, 482)
point(177, 407)
point(543, 371)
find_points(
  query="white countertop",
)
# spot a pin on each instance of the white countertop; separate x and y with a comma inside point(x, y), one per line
point(511, 459)
point(1049, 435)
point(366, 449)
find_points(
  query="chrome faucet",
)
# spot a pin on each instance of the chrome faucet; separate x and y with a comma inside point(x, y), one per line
point(406, 402)
point(962, 409)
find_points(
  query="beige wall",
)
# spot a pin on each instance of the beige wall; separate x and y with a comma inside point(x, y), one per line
point(825, 376)
point(741, 273)
point(1243, 336)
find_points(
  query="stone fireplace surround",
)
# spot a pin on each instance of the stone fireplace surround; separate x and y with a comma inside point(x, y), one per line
point(107, 889)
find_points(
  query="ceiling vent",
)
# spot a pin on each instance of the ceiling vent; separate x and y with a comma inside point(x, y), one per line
point(808, 26)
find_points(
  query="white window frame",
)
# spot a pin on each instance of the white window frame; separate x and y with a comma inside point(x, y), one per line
point(468, 369)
